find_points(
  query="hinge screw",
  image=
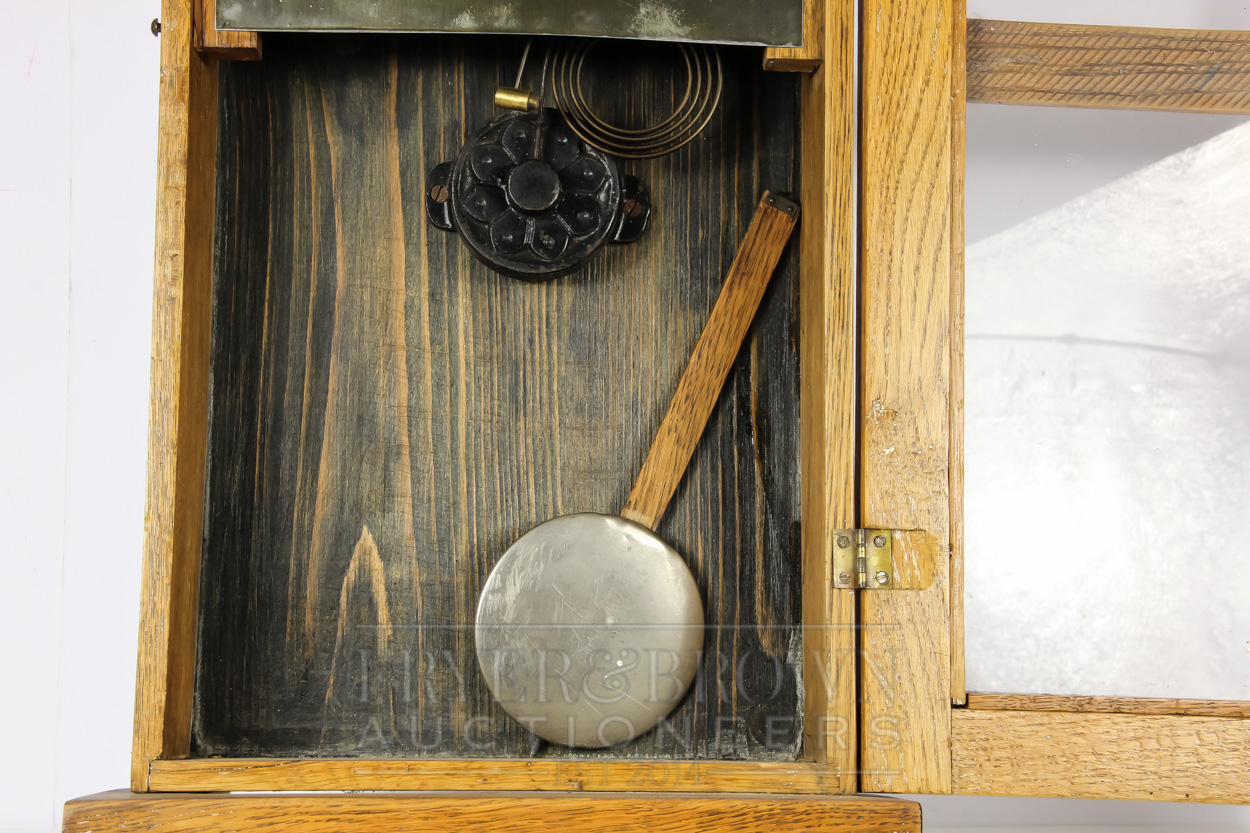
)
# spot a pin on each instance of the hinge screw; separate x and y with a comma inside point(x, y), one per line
point(843, 542)
point(844, 578)
point(883, 577)
point(879, 541)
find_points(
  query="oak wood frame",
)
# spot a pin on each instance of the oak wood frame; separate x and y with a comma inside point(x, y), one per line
point(657, 776)
point(178, 421)
point(177, 443)
point(1107, 705)
point(1112, 67)
point(226, 44)
point(911, 661)
point(117, 812)
point(906, 254)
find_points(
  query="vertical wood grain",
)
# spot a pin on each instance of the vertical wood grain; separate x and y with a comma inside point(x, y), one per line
point(179, 396)
point(827, 395)
point(906, 176)
point(959, 128)
point(369, 374)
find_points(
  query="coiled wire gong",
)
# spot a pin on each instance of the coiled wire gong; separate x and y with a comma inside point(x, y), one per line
point(698, 102)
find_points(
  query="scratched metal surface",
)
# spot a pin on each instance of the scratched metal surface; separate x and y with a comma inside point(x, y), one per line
point(762, 22)
point(604, 614)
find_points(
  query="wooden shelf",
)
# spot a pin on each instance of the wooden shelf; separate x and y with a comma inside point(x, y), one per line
point(117, 812)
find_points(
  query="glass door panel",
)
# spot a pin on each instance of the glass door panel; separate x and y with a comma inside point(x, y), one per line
point(1108, 403)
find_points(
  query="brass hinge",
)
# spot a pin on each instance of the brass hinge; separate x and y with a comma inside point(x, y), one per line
point(863, 559)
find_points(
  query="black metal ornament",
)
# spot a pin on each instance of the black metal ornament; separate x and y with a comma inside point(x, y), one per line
point(532, 200)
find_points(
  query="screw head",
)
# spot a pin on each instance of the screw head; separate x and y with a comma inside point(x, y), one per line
point(843, 541)
point(844, 578)
point(632, 208)
point(439, 193)
point(883, 577)
point(879, 541)
point(156, 26)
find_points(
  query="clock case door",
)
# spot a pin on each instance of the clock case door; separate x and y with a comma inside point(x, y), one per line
point(921, 731)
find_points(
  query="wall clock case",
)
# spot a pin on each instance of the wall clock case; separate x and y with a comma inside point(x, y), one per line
point(352, 417)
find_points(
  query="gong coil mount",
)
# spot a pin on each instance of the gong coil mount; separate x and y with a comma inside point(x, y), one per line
point(532, 200)
point(699, 100)
point(704, 81)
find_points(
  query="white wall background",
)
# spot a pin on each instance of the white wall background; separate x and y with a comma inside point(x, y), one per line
point(78, 94)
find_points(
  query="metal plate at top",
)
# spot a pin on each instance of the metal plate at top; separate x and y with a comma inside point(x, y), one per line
point(760, 22)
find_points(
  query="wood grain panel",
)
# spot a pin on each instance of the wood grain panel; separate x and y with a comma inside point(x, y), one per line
point(388, 415)
point(906, 261)
point(827, 395)
point(1064, 65)
point(223, 44)
point(915, 558)
point(211, 775)
point(1135, 757)
point(1108, 705)
point(610, 813)
point(959, 129)
point(805, 58)
point(178, 407)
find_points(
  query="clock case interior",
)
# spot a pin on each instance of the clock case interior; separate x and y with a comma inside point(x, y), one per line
point(386, 414)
